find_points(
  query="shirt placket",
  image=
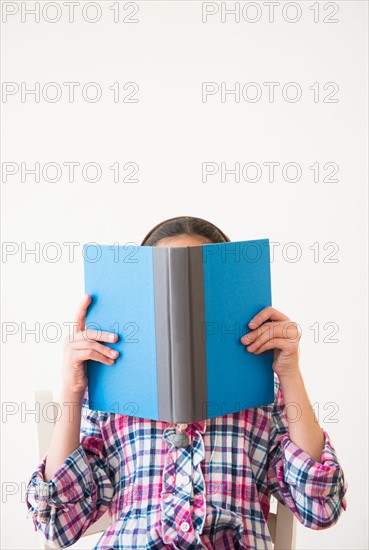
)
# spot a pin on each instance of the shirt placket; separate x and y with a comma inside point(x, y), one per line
point(181, 502)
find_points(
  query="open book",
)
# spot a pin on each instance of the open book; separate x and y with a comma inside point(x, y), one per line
point(180, 313)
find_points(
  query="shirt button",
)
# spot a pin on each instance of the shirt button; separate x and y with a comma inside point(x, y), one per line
point(180, 440)
point(184, 480)
point(185, 526)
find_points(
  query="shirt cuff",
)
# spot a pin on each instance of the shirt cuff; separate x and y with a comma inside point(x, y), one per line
point(70, 483)
point(315, 479)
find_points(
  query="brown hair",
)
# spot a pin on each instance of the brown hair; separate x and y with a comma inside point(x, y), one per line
point(184, 225)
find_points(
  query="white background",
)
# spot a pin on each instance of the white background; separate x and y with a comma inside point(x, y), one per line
point(169, 133)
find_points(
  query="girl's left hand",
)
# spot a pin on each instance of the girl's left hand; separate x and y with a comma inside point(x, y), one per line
point(280, 334)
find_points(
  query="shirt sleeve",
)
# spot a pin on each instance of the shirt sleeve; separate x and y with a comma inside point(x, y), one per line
point(314, 491)
point(79, 492)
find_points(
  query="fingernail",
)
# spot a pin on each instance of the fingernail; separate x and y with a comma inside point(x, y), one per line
point(114, 353)
point(112, 337)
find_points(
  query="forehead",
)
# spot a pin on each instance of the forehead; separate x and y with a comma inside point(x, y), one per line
point(183, 240)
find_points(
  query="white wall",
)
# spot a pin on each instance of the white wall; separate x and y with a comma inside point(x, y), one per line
point(169, 133)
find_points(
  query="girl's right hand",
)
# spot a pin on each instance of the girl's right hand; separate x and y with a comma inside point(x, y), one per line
point(81, 346)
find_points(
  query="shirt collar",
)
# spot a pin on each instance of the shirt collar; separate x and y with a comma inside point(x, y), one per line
point(200, 426)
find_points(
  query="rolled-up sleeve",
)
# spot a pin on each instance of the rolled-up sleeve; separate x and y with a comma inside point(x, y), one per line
point(314, 491)
point(79, 492)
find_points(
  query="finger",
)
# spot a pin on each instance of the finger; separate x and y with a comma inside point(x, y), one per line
point(95, 335)
point(254, 334)
point(81, 313)
point(269, 334)
point(104, 350)
point(267, 313)
point(91, 354)
point(288, 331)
point(276, 343)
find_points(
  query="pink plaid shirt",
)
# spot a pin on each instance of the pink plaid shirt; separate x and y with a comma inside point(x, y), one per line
point(213, 494)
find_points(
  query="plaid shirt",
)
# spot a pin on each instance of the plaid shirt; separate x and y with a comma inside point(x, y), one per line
point(213, 494)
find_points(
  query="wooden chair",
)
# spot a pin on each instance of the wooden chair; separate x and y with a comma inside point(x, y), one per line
point(281, 524)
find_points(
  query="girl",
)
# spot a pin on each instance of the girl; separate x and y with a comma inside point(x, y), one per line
point(212, 492)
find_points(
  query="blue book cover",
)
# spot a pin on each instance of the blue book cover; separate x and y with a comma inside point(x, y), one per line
point(179, 313)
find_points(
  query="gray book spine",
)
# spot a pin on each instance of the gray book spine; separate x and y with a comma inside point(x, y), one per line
point(180, 346)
